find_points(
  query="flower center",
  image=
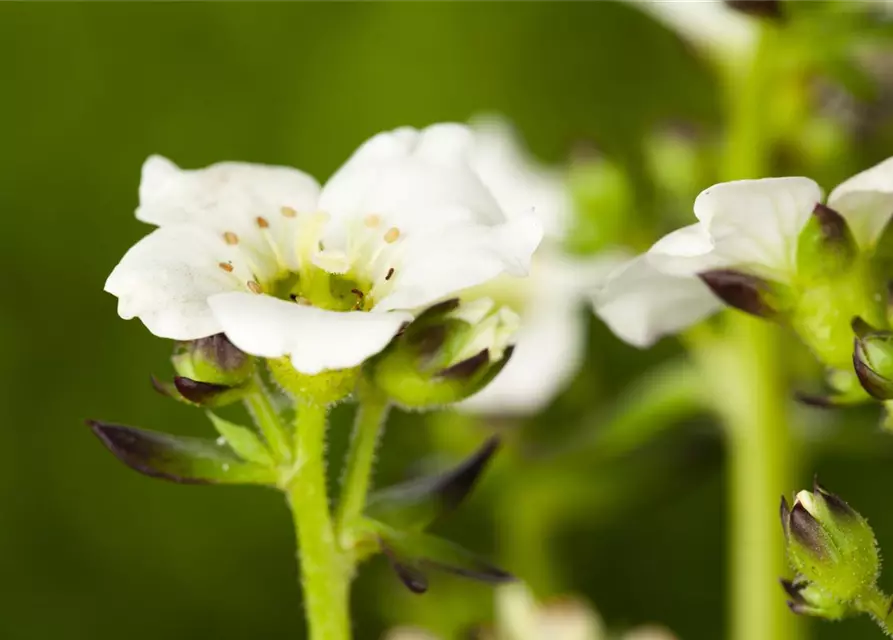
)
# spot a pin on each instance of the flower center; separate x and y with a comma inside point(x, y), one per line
point(341, 269)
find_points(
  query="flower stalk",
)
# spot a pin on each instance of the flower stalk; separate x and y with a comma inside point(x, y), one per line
point(324, 570)
point(370, 420)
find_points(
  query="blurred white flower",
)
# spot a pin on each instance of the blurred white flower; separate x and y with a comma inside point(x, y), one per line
point(711, 25)
point(324, 275)
point(520, 617)
point(551, 340)
point(750, 226)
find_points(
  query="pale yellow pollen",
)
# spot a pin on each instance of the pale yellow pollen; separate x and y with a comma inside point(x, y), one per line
point(255, 288)
point(231, 238)
point(262, 222)
point(372, 221)
point(391, 235)
point(226, 266)
point(288, 212)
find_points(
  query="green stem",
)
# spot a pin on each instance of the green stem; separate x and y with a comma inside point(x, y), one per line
point(267, 420)
point(324, 571)
point(877, 604)
point(747, 374)
point(371, 415)
point(747, 371)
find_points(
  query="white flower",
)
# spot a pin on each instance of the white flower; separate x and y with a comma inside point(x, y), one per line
point(550, 342)
point(747, 225)
point(324, 275)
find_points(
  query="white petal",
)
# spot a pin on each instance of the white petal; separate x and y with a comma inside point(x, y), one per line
point(756, 223)
point(437, 263)
point(641, 304)
point(866, 201)
point(414, 180)
point(316, 339)
point(166, 278)
point(549, 344)
point(259, 204)
point(710, 24)
point(517, 180)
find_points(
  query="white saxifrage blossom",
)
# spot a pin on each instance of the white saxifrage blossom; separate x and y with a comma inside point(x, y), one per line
point(750, 226)
point(549, 345)
point(326, 276)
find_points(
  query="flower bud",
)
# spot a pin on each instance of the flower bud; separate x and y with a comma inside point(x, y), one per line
point(212, 360)
point(873, 360)
point(448, 353)
point(831, 547)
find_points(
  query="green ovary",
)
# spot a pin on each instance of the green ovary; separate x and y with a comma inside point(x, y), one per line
point(318, 288)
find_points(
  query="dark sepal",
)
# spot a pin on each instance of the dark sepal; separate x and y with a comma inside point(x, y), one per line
point(806, 530)
point(770, 9)
point(836, 504)
point(411, 553)
point(179, 458)
point(741, 290)
point(468, 368)
point(202, 393)
point(416, 504)
point(876, 385)
point(785, 513)
point(828, 401)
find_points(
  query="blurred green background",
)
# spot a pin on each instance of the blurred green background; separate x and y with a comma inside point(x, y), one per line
point(91, 550)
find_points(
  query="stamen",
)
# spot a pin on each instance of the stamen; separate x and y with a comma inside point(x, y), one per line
point(254, 286)
point(231, 238)
point(360, 298)
point(288, 212)
point(262, 222)
point(372, 221)
point(390, 274)
point(226, 266)
point(391, 235)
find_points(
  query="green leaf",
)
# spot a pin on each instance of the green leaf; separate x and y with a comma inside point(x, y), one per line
point(243, 441)
point(179, 458)
point(416, 504)
point(410, 553)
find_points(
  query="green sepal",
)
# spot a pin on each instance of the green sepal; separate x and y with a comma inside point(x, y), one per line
point(826, 247)
point(414, 505)
point(412, 553)
point(180, 459)
point(243, 441)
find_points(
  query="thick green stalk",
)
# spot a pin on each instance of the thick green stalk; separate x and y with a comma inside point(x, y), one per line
point(747, 370)
point(324, 571)
point(371, 415)
point(746, 376)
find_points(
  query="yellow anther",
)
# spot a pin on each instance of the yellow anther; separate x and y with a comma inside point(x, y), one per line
point(231, 238)
point(288, 212)
point(255, 287)
point(262, 222)
point(226, 266)
point(391, 235)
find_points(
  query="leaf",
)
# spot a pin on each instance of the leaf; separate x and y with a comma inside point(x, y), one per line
point(243, 441)
point(179, 458)
point(411, 553)
point(416, 504)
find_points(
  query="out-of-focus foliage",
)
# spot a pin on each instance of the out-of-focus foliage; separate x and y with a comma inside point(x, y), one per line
point(89, 550)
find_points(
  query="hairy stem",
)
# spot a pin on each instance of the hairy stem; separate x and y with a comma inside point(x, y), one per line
point(267, 420)
point(370, 419)
point(324, 571)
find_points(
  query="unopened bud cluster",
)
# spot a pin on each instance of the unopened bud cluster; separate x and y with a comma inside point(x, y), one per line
point(451, 351)
point(834, 553)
